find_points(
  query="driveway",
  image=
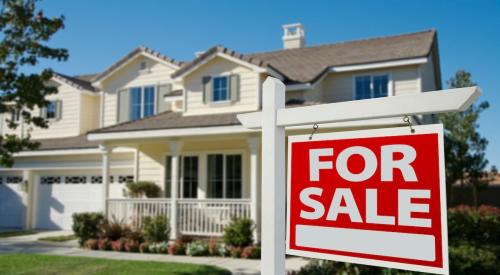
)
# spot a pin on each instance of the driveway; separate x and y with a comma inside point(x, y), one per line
point(29, 244)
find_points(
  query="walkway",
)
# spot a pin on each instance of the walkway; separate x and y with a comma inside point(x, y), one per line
point(29, 245)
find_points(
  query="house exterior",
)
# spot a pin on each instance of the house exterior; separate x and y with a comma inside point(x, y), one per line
point(149, 117)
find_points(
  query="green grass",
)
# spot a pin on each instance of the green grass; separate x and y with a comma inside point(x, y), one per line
point(59, 239)
point(48, 264)
point(16, 233)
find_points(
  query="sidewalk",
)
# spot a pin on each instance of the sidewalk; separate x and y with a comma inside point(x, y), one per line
point(29, 245)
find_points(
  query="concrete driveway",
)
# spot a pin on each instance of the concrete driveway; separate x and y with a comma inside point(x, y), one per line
point(29, 244)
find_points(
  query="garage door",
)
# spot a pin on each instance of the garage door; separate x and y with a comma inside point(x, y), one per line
point(11, 203)
point(61, 195)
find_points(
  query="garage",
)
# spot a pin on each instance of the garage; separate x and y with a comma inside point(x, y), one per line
point(11, 202)
point(60, 195)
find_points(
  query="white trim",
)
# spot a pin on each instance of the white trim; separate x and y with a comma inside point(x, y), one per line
point(378, 65)
point(402, 131)
point(172, 98)
point(65, 152)
point(81, 90)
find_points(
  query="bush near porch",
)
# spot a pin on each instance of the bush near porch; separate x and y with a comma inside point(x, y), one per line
point(100, 234)
point(474, 246)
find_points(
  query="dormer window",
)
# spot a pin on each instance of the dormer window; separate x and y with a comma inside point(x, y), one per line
point(371, 86)
point(52, 111)
point(221, 89)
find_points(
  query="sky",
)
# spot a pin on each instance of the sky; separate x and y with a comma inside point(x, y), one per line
point(97, 33)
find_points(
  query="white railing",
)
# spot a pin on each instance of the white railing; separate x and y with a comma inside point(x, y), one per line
point(133, 211)
point(208, 217)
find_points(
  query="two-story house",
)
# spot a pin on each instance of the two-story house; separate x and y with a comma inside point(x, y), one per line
point(149, 117)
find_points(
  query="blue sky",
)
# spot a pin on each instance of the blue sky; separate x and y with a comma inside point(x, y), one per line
point(98, 33)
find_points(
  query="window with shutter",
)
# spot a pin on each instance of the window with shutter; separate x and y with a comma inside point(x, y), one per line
point(207, 89)
point(234, 87)
point(163, 90)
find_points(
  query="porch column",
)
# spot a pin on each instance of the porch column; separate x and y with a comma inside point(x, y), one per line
point(175, 148)
point(105, 152)
point(253, 144)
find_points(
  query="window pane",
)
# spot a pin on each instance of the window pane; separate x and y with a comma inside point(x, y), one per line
point(51, 110)
point(220, 91)
point(135, 103)
point(363, 87)
point(380, 85)
point(233, 177)
point(214, 176)
point(190, 179)
point(149, 101)
point(168, 176)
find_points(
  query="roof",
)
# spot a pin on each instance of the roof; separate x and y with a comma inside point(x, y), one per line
point(306, 64)
point(175, 120)
point(212, 52)
point(78, 142)
point(79, 82)
point(132, 54)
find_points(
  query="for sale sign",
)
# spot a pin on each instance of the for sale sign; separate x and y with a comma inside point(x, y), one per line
point(373, 197)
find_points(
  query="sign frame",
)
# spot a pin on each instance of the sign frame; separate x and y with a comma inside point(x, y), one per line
point(380, 132)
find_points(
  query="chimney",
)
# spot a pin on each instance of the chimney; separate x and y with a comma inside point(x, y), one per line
point(293, 36)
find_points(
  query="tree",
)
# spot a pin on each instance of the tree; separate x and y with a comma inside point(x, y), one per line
point(464, 147)
point(25, 32)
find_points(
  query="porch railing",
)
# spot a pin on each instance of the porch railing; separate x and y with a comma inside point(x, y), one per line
point(208, 217)
point(133, 211)
point(201, 217)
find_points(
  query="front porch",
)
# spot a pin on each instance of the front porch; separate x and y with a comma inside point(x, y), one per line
point(205, 182)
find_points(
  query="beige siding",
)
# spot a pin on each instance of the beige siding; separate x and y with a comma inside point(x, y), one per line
point(340, 86)
point(128, 77)
point(249, 86)
point(428, 76)
point(68, 125)
point(89, 113)
point(151, 162)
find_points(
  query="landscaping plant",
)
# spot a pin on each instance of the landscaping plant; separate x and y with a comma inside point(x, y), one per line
point(156, 229)
point(239, 232)
point(87, 225)
point(140, 189)
point(197, 248)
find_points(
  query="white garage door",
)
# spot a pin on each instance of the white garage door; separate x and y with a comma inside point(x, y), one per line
point(11, 203)
point(59, 196)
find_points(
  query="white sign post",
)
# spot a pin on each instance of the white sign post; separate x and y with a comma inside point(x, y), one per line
point(274, 118)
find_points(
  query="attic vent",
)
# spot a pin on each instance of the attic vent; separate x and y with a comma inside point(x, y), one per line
point(143, 65)
point(293, 36)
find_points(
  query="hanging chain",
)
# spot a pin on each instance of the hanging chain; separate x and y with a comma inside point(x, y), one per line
point(407, 120)
point(315, 128)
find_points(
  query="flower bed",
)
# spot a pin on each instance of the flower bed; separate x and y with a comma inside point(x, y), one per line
point(153, 238)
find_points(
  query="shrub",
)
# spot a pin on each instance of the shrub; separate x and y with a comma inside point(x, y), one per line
point(118, 245)
point(466, 259)
point(239, 232)
point(91, 244)
point(321, 267)
point(87, 225)
point(251, 252)
point(156, 229)
point(144, 247)
point(479, 226)
point(177, 248)
point(197, 248)
point(235, 252)
point(104, 244)
point(213, 246)
point(135, 235)
point(114, 230)
point(222, 250)
point(140, 189)
point(131, 245)
point(160, 248)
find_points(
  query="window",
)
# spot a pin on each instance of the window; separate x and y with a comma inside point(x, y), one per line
point(189, 188)
point(221, 90)
point(51, 111)
point(224, 176)
point(142, 102)
point(15, 115)
point(371, 86)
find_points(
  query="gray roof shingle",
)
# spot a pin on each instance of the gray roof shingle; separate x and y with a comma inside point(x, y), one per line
point(78, 142)
point(306, 64)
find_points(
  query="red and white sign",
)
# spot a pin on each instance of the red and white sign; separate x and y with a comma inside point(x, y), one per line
point(373, 197)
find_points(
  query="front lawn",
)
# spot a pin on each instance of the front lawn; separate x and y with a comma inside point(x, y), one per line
point(16, 233)
point(58, 239)
point(47, 264)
